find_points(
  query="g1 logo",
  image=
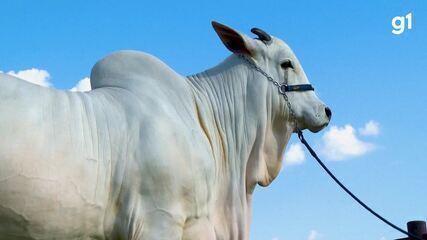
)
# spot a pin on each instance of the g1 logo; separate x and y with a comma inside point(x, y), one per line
point(399, 24)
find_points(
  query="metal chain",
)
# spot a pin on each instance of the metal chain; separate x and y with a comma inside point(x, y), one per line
point(277, 84)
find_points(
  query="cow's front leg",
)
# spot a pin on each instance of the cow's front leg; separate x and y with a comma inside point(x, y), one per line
point(198, 229)
point(134, 222)
point(159, 225)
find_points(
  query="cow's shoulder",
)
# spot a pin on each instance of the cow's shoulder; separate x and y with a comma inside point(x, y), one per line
point(130, 69)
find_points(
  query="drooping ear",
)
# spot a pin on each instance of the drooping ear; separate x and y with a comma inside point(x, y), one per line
point(232, 39)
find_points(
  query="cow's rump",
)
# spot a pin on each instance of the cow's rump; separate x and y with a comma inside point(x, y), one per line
point(45, 170)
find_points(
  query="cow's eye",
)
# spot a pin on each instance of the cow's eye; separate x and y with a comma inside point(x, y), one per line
point(286, 64)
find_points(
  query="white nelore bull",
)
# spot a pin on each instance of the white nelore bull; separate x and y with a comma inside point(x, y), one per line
point(148, 153)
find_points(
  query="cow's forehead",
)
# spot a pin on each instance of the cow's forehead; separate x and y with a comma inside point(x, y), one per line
point(280, 49)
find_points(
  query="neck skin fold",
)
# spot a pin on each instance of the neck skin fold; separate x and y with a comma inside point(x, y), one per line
point(235, 110)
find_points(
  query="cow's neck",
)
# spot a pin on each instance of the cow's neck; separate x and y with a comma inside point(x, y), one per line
point(235, 111)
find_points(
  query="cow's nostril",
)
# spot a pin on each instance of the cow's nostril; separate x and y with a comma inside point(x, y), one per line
point(328, 112)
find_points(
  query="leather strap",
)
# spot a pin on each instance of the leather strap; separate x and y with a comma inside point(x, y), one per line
point(297, 88)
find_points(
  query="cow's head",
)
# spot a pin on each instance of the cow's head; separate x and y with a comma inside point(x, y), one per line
point(277, 59)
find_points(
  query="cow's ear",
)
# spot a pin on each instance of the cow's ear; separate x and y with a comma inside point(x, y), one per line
point(232, 39)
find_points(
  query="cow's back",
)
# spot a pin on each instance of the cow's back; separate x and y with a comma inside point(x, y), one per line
point(53, 181)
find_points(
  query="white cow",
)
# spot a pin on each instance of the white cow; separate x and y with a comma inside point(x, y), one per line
point(148, 153)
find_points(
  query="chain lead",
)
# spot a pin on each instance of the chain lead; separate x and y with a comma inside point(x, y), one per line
point(277, 84)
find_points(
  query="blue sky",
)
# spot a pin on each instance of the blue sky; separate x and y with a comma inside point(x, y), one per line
point(360, 69)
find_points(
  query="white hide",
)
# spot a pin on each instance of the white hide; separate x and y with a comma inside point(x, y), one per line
point(147, 154)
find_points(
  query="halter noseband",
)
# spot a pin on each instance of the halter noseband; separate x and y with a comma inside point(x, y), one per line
point(296, 88)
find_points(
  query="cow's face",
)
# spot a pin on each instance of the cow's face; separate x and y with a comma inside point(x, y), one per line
point(278, 60)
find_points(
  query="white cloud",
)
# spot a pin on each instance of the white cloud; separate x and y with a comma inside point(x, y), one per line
point(313, 235)
point(340, 143)
point(41, 77)
point(82, 86)
point(33, 75)
point(294, 155)
point(371, 128)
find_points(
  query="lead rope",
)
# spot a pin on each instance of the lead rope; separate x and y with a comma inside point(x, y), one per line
point(313, 153)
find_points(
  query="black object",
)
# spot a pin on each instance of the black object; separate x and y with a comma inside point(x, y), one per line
point(418, 228)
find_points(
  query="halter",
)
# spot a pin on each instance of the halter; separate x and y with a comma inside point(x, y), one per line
point(283, 88)
point(296, 88)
